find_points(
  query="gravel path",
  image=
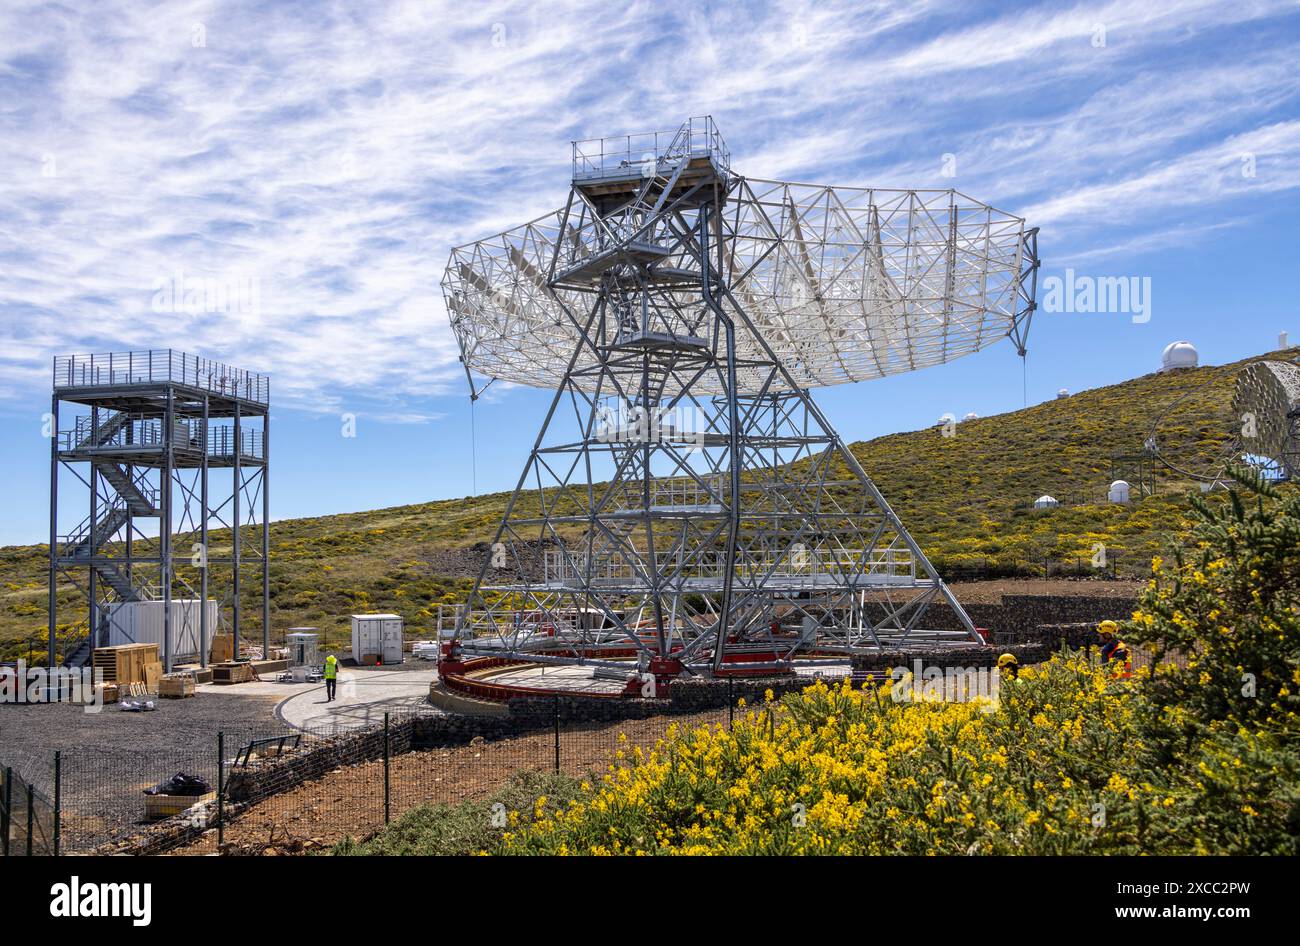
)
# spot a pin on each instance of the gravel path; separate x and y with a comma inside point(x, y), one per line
point(110, 757)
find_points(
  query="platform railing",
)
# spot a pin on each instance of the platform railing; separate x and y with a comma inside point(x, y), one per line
point(601, 157)
point(560, 566)
point(221, 443)
point(115, 369)
point(187, 437)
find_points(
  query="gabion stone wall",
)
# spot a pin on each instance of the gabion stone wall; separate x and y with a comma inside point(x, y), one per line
point(1017, 617)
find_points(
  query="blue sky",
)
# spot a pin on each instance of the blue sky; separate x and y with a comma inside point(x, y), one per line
point(332, 153)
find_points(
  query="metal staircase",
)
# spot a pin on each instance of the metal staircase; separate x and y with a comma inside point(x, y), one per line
point(137, 501)
point(106, 431)
point(131, 500)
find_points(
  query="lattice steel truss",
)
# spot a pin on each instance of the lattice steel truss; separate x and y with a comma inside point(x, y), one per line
point(1266, 405)
point(686, 502)
point(165, 448)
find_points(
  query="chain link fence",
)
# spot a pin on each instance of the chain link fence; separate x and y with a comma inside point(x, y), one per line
point(28, 822)
point(275, 787)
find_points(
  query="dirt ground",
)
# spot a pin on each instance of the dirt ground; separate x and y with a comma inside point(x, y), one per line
point(349, 801)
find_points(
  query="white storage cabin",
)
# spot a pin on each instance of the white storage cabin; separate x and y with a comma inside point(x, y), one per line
point(141, 622)
point(377, 635)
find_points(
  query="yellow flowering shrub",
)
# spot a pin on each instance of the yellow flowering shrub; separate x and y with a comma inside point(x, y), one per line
point(1053, 767)
point(1200, 755)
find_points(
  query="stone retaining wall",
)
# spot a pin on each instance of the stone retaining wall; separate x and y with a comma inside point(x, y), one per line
point(262, 778)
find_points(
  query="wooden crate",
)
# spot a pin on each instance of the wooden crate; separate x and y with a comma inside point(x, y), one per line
point(164, 806)
point(233, 672)
point(223, 649)
point(176, 687)
point(124, 663)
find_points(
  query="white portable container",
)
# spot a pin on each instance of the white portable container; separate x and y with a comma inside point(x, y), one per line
point(377, 635)
point(141, 622)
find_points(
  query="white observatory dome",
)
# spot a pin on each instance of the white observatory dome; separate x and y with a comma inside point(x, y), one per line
point(1045, 502)
point(971, 416)
point(1062, 393)
point(1179, 355)
point(1118, 492)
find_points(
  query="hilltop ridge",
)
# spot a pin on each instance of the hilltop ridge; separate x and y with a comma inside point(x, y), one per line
point(966, 498)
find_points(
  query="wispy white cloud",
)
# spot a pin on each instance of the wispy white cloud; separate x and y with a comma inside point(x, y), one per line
point(1258, 162)
point(335, 151)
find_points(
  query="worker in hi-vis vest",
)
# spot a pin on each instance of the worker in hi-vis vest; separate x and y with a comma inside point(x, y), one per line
point(331, 676)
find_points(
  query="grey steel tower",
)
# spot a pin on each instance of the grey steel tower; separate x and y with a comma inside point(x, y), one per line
point(160, 449)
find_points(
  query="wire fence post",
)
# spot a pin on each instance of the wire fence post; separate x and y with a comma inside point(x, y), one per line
point(557, 734)
point(387, 810)
point(31, 809)
point(58, 800)
point(7, 809)
point(221, 788)
point(731, 704)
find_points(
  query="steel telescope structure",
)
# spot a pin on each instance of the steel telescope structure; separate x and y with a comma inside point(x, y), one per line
point(686, 505)
point(1266, 403)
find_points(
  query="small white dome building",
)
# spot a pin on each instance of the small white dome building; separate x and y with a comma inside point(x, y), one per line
point(1179, 355)
point(1045, 502)
point(1118, 492)
point(1062, 394)
point(971, 416)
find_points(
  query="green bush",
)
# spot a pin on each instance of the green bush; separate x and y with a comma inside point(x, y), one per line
point(465, 828)
point(1228, 604)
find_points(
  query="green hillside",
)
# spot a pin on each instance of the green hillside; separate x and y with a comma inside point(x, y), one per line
point(966, 498)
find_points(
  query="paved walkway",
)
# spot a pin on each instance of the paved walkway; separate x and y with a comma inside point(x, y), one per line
point(362, 699)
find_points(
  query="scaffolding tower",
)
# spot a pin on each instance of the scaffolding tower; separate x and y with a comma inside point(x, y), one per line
point(157, 451)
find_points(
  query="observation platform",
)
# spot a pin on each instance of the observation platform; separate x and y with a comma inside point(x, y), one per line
point(616, 169)
point(650, 340)
point(136, 381)
point(140, 442)
point(133, 393)
point(588, 270)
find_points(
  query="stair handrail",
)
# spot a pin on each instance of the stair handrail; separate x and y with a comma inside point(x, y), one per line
point(81, 536)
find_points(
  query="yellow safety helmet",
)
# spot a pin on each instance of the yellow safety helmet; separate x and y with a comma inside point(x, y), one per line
point(1008, 660)
point(1108, 627)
